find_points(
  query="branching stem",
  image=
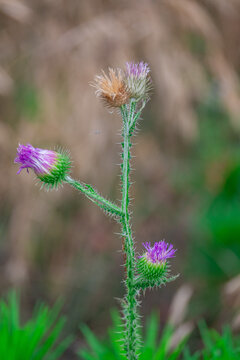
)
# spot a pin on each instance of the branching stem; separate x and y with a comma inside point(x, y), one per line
point(93, 195)
point(130, 117)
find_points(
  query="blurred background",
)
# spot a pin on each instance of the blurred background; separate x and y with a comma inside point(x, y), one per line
point(187, 165)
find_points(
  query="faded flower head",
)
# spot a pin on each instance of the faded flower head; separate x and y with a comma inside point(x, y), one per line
point(112, 88)
point(51, 167)
point(138, 80)
point(153, 263)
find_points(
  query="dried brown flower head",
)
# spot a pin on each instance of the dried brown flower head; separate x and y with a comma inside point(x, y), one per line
point(111, 88)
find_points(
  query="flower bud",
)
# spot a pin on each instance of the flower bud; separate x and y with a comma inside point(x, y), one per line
point(138, 81)
point(153, 264)
point(51, 167)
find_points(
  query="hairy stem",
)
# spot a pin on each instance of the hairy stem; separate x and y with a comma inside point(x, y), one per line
point(99, 200)
point(130, 307)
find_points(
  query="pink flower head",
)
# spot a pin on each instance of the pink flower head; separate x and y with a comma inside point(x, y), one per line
point(159, 252)
point(51, 167)
point(40, 160)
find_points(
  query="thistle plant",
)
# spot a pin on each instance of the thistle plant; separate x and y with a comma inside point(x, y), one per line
point(127, 91)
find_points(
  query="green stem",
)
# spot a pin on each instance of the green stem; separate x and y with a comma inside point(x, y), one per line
point(130, 308)
point(130, 302)
point(99, 200)
point(135, 117)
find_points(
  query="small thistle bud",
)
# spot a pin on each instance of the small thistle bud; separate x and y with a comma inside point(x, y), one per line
point(112, 88)
point(153, 264)
point(138, 81)
point(51, 167)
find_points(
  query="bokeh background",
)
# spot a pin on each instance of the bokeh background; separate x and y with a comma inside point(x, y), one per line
point(187, 164)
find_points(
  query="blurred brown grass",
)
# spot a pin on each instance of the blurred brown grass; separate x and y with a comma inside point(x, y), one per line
point(57, 243)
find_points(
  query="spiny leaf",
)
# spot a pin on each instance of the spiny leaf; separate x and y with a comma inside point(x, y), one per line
point(36, 338)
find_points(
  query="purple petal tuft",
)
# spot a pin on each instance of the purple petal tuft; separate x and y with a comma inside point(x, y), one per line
point(138, 70)
point(40, 160)
point(160, 251)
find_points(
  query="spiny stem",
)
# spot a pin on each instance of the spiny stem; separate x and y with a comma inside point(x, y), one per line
point(131, 301)
point(135, 118)
point(95, 197)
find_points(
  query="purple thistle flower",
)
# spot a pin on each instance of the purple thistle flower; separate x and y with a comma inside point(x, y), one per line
point(51, 167)
point(40, 160)
point(138, 81)
point(160, 252)
point(153, 265)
